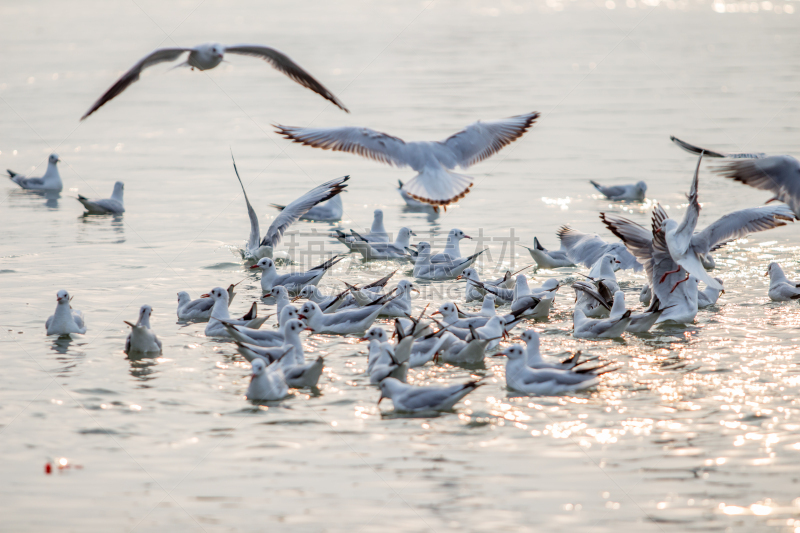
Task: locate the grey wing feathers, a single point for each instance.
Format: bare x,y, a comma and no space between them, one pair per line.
365,142
292,212
283,63
779,174
255,232
740,223
158,56
692,149
481,140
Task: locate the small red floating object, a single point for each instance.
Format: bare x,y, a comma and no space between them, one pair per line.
48,468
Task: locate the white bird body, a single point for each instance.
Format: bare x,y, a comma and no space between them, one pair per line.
210,55
294,281
587,249
548,259
533,354
474,292
640,322
425,269
106,206
65,320
199,309
709,296
435,183
259,337
414,399
215,327
142,339
633,192
452,248
599,328
371,250
542,381
51,181
343,322
267,383
328,304
781,289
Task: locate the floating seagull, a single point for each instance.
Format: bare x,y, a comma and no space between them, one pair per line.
141,339
781,289
106,206
488,308
434,184
65,320
424,269
260,337
382,250
208,56
257,247
343,322
215,327
452,250
386,365
686,247
547,259
474,292
290,337
779,174
328,304
51,181
267,383
633,192
640,322
414,399
199,309
586,249
533,355
545,381
329,211
589,301
599,328
293,281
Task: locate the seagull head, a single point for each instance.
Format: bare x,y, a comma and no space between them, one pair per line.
376,333
144,314
217,50
294,327
53,159
264,264
288,313
642,186
529,337
258,366
62,297
513,352
309,310
216,293
183,297
387,385
279,292
456,234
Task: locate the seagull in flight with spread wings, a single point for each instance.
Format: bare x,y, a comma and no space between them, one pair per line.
208,56
434,184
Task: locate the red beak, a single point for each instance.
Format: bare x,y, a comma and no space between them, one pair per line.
205,296
467,237
302,317
436,313
254,266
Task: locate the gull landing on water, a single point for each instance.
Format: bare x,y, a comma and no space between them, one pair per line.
208,56
434,184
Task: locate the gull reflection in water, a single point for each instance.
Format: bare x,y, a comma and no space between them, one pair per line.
142,365
50,197
116,224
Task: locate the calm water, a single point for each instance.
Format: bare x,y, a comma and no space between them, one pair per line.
697,432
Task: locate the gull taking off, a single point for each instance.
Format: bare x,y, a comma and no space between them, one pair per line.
208,56
258,248
547,259
106,206
141,339
434,184
65,320
51,181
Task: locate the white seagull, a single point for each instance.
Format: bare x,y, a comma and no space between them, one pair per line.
199,309
533,354
779,174
633,192
342,322
434,184
51,181
781,289
640,322
65,320
293,281
474,292
586,249
415,399
545,381
208,56
599,328
219,313
142,339
106,206
257,247
548,259
425,269
267,383
382,250
262,337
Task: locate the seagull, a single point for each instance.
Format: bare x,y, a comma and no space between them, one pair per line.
686,247
415,204
264,338
267,383
386,365
640,322
382,250
330,211
215,327
709,296
545,381
586,249
281,297
106,206
452,249
209,55
466,352
425,269
474,291
359,297
547,259
434,184
633,192
599,328
328,304
533,355
342,322
289,337
414,399
51,181
400,306
199,309
258,248
65,320
779,174
141,339
488,308
781,289
589,301
293,281
604,282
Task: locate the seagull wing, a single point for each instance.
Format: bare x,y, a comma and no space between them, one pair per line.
685,231
779,174
692,149
154,58
739,223
637,239
300,207
481,140
255,232
283,63
365,142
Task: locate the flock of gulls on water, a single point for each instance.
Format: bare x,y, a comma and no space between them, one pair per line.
675,255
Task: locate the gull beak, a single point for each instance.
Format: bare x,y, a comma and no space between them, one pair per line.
254,266
617,261
766,273
436,313
309,329
413,234
295,299
301,317
499,355
722,291
467,237
381,398
205,296
658,230
363,339
459,277
131,325
415,290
